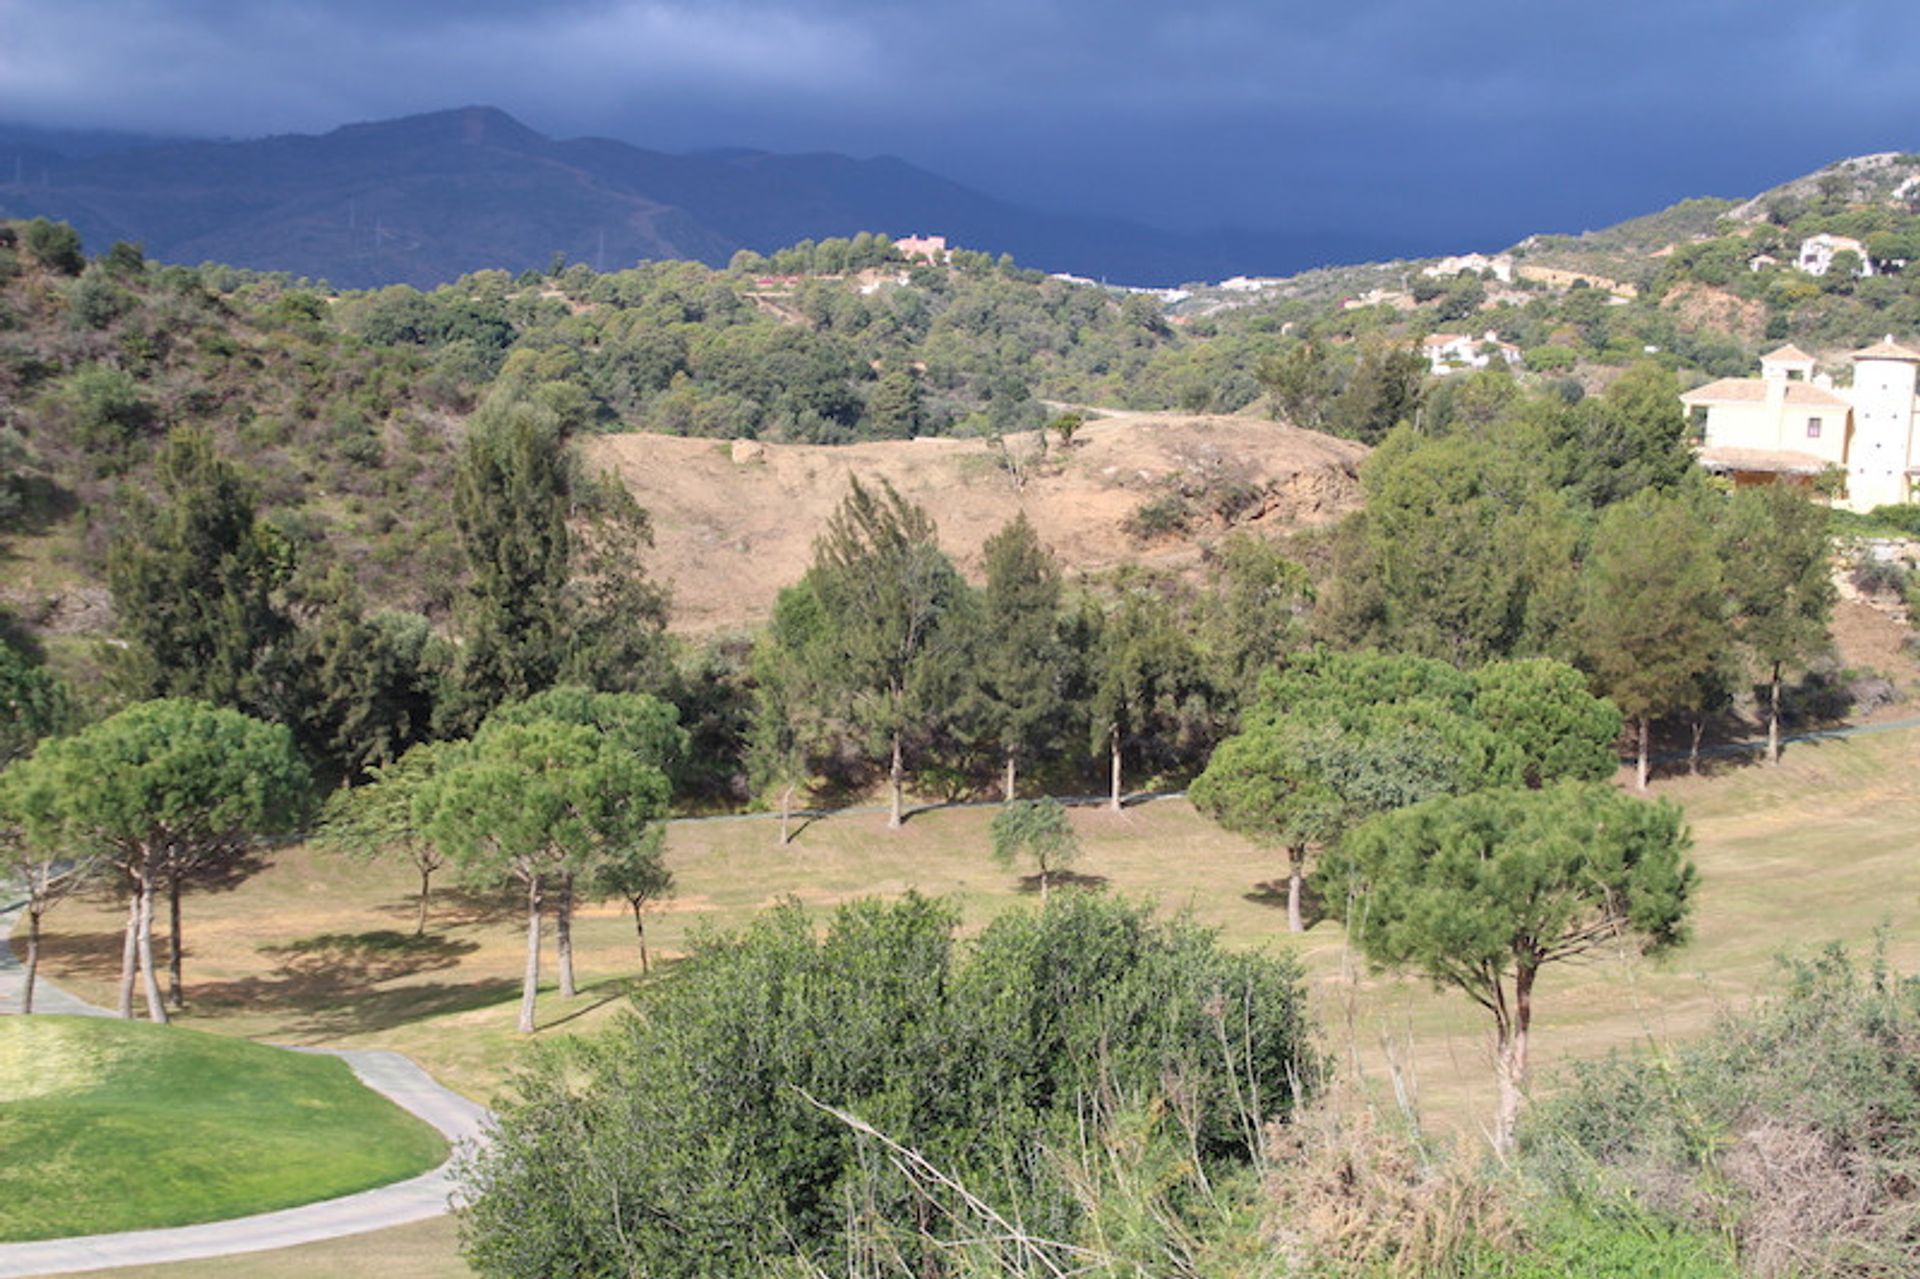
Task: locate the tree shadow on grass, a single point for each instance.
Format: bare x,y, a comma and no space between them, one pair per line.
1272,894
330,981
379,955
361,1012
798,825
456,907
1062,879
599,994
91,955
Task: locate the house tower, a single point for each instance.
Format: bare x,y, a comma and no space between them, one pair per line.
1883,412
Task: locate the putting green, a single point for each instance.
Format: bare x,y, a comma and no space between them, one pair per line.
109,1125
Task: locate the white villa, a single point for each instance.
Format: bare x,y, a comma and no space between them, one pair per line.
1793,423
1501,264
1451,352
1816,253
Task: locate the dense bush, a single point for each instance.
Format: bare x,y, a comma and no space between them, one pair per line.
695,1138
1794,1128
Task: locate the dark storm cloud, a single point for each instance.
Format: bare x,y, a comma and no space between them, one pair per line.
1479,119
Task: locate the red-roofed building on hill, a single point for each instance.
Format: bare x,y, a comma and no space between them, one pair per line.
1793,423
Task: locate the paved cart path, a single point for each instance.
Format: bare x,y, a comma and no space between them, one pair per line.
387,1073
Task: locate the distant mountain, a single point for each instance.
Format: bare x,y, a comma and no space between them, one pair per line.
424,199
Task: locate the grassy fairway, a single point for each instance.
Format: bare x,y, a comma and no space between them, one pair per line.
110,1125
318,949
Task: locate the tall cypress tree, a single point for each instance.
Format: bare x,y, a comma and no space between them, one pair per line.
194,584
510,506
1021,663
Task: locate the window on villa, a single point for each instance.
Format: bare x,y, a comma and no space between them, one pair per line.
1813,428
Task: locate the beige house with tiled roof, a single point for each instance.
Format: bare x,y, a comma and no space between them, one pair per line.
1793,423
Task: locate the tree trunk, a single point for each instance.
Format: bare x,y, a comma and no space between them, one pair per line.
426,891
530,986
1693,754
1007,785
1773,718
176,989
33,959
149,979
1511,1059
1642,766
786,816
1113,768
129,955
897,817
1043,887
1296,880
640,931
563,934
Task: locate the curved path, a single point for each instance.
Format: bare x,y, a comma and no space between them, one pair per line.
463,1123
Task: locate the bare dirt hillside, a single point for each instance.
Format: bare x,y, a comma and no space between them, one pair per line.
735,521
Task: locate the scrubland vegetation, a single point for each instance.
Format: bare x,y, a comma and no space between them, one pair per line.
354,582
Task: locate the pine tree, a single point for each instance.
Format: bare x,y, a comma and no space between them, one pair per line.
195,584
1020,664
1776,554
1653,618
510,506
887,589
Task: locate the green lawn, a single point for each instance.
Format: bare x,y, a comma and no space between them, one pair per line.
109,1125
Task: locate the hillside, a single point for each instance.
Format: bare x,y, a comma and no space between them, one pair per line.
346,408
424,199
734,524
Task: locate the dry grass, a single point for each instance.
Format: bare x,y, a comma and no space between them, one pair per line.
315,949
730,535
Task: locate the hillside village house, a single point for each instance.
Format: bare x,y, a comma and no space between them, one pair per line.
1817,253
1451,352
1795,424
1479,263
924,248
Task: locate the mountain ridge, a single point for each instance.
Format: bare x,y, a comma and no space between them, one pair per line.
426,198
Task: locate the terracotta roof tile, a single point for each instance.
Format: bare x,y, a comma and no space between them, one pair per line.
1887,349
1753,390
1778,461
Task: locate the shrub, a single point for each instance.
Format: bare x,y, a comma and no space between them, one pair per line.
696,1138
1880,577
55,246
107,411
1159,517
96,301
1794,1128
1552,358
1905,517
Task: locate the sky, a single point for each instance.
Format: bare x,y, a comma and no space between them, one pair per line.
1457,125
